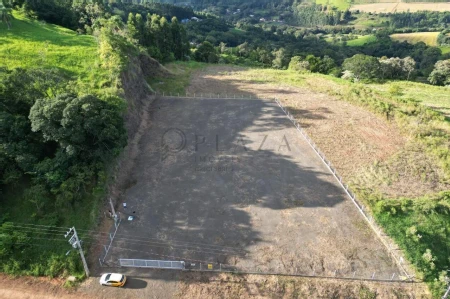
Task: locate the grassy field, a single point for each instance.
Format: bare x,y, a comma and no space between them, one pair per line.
395,6
32,43
176,84
359,41
429,38
363,39
435,97
340,4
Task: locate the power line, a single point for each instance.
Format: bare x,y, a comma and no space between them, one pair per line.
151,243
176,243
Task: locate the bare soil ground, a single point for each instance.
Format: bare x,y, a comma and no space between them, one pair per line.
196,285
350,136
364,147
280,219
401,7
245,190
36,288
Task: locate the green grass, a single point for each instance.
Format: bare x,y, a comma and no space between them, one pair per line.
435,97
364,20
179,81
364,39
340,4
32,43
445,49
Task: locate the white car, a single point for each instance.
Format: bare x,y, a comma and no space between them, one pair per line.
113,279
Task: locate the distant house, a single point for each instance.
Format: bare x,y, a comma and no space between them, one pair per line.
262,20
251,16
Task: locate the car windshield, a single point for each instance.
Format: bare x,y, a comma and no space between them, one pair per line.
123,277
107,277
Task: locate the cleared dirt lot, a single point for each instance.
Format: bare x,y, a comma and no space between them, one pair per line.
350,136
230,181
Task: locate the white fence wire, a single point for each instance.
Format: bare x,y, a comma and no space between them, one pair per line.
390,246
378,231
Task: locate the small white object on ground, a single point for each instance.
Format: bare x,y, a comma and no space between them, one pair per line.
130,218
124,204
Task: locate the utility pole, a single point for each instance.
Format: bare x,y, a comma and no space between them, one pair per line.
75,242
115,216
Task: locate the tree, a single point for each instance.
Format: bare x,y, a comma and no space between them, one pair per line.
132,29
20,148
222,47
177,39
397,68
441,73
140,26
206,53
280,60
243,49
363,66
86,126
298,64
167,44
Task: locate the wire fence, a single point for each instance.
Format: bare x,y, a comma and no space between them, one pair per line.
211,267
347,274
112,234
390,246
207,96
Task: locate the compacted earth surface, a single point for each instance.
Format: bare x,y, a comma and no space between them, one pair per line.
231,183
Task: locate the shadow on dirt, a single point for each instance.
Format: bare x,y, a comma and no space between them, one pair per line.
134,283
231,181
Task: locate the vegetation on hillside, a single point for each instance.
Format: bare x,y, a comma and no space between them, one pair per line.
61,124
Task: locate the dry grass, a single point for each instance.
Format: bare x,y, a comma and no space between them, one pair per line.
360,139
357,133
401,7
429,38
254,286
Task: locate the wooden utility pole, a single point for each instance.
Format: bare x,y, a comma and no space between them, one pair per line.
75,242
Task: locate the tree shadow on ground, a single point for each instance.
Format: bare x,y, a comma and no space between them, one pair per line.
214,179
